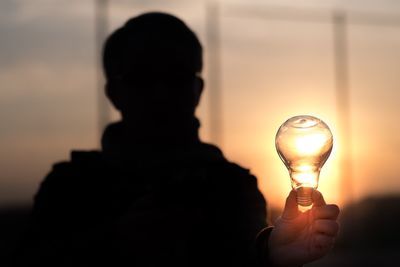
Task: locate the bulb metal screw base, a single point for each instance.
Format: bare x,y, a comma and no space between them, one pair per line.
304,196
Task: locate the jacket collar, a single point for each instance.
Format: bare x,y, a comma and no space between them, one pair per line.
123,149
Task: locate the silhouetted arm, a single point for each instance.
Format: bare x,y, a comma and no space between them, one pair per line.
241,214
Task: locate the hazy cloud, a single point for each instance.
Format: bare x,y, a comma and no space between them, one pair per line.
45,31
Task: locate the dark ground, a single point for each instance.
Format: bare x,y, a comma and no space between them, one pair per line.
369,235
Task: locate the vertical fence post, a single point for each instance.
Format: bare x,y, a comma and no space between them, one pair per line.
343,103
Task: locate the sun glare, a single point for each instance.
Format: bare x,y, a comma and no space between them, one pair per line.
309,144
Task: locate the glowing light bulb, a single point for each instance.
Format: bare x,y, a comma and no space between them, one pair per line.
304,143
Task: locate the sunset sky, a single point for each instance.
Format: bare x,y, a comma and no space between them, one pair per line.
272,69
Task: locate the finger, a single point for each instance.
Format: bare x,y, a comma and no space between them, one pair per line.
327,227
318,199
330,211
322,241
291,210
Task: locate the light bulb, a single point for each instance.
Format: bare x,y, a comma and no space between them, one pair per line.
304,143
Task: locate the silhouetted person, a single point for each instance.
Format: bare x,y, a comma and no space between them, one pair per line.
155,195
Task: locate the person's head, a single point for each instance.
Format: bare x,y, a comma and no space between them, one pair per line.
152,66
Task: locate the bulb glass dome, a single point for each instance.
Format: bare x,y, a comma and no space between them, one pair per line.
304,143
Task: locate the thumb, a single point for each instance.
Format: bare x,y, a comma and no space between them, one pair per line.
318,199
291,210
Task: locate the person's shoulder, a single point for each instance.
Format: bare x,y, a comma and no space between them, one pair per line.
78,160
67,172
226,169
67,180
235,188
236,175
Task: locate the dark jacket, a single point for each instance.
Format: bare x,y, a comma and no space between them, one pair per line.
186,206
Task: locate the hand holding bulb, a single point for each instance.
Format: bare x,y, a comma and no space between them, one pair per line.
298,237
